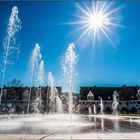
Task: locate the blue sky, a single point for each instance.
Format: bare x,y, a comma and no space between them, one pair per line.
98,64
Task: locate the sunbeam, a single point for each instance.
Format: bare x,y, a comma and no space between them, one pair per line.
96,19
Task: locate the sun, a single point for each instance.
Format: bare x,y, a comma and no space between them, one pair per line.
97,19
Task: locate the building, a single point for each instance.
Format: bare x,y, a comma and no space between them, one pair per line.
18,97
128,98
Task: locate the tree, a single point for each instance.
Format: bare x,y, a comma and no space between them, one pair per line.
14,83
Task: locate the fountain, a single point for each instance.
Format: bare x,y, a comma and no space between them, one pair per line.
52,103
55,105
59,108
89,110
40,79
36,62
36,105
102,124
115,103
45,125
69,62
116,124
101,106
9,43
94,110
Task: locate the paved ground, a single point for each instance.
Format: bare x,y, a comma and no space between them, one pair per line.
105,128
100,136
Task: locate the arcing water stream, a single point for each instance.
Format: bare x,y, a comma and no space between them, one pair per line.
14,26
69,63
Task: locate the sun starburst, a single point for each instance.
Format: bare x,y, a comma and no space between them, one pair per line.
96,19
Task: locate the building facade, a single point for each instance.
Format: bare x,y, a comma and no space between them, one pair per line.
127,98
18,98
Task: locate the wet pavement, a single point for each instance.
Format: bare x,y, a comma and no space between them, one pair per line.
63,127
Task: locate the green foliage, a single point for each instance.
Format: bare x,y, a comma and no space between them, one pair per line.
14,83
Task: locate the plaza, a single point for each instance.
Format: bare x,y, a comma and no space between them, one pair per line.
69,70
106,127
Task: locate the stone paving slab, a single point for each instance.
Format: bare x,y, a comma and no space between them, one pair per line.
133,136
112,136
93,136
86,136
19,137
59,137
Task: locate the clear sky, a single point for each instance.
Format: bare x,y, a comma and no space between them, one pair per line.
98,64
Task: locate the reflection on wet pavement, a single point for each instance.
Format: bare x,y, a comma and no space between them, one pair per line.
61,124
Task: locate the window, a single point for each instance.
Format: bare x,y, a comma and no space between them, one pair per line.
90,96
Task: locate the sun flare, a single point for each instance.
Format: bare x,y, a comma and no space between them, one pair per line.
97,19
